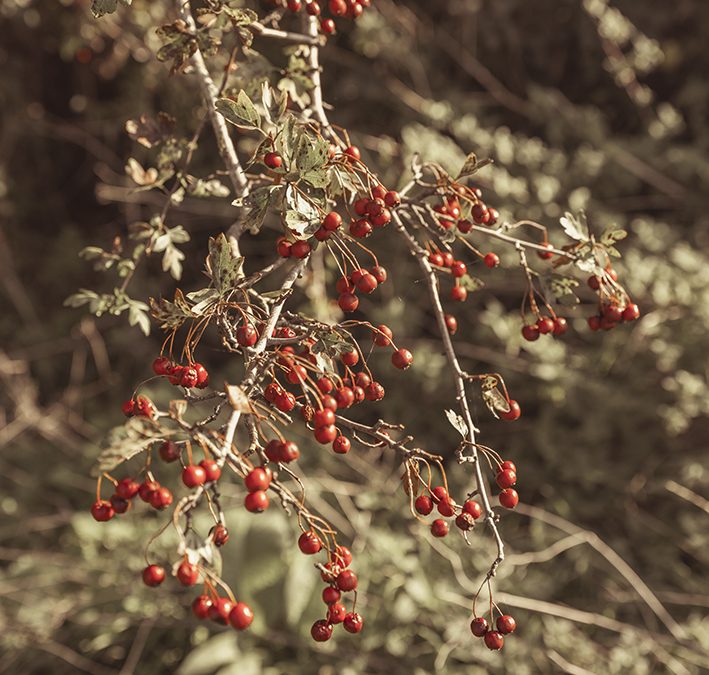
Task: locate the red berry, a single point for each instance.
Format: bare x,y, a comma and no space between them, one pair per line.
458,269
402,359
162,365
283,247
561,325
332,221
464,521
353,622
201,605
336,613
631,312
594,283
146,489
346,580
451,324
188,378
478,626
439,528
459,293
362,380
241,616
294,5
211,469
330,595
187,573
530,332
513,413
509,498
612,313
378,191
350,358
300,249
273,160
438,493
326,435
153,575
545,255
445,507
506,624
341,445
361,228
325,385
128,407
272,392
327,26
374,392
472,508
127,488
309,543
321,234
352,150
478,212
494,640
348,302
160,498
491,260
379,273
193,475
246,335
435,259
289,452
506,478
507,464
321,631
360,206
594,323
220,535
392,199
423,505
285,401
220,609
312,8
382,335
344,396
382,218
545,325
102,510
367,283
465,226
256,502
343,556
329,402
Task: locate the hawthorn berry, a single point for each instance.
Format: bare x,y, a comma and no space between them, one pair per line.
273,160
374,392
631,312
459,293
545,325
187,573
382,336
360,228
329,402
246,335
102,510
127,407
513,413
127,488
439,493
211,469
312,8
594,323
509,498
367,283
446,507
435,259
146,488
119,504
451,324
439,528
379,273
220,535
458,269
472,508
561,325
327,26
321,631
256,502
382,218
344,396
478,626
350,358
464,521
153,575
300,249
348,302
271,392
507,464
360,206
545,255
341,445
402,359
188,378
423,505
466,226
612,313
326,435
336,613
325,385
352,150
283,247
478,212
594,282
309,543
506,624
162,365
343,556
194,475
362,380
201,605
294,5
392,198
353,622
220,610
491,260
160,498
530,332
285,401
494,640
332,221
241,616
346,580
506,478
330,595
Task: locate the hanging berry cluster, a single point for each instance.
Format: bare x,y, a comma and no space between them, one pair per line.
337,9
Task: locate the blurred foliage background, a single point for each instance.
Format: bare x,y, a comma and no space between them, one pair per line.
594,104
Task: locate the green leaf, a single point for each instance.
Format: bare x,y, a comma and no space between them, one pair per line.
224,267
610,236
138,316
241,112
171,315
311,153
83,297
101,7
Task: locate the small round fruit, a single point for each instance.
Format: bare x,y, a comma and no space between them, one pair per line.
341,445
509,498
506,478
631,312
545,325
246,335
256,502
352,150
153,575
102,510
545,255
530,332
336,613
273,160
506,624
472,508
353,622
201,605
346,580
491,260
348,302
332,221
446,507
402,359
439,528
561,325
321,631
212,470
127,488
309,543
478,626
241,616
300,249
494,640
458,269
220,535
257,479
220,610
513,413
423,505
162,365
193,476
187,573
459,293
169,451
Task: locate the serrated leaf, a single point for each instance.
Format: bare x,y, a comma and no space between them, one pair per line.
224,267
241,112
611,236
318,178
171,315
137,316
457,422
125,442
574,227
311,153
492,397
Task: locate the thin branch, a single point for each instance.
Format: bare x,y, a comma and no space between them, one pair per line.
286,36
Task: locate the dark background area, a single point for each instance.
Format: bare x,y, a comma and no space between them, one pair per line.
595,105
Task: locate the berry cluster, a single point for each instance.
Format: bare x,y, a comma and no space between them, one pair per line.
614,303
545,325
465,514
494,639
189,376
336,8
